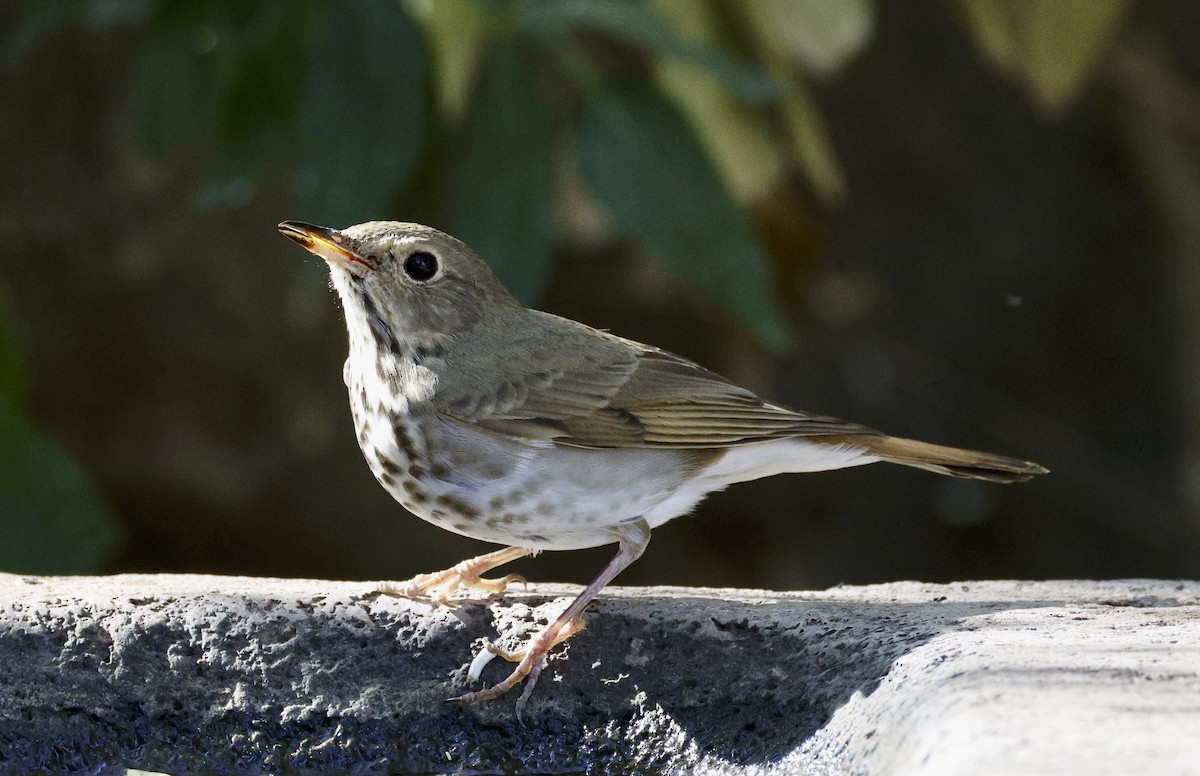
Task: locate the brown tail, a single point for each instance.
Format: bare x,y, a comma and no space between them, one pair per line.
953,461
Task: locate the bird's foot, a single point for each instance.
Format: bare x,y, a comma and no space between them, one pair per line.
441,586
530,660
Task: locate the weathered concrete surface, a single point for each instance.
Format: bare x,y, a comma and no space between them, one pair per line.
236,675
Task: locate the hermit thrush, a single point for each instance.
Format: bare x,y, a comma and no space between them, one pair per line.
536,432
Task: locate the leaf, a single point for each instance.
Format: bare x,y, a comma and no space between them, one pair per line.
738,140
812,144
267,44
997,28
1066,41
457,32
820,35
741,143
642,25
639,158
1050,47
51,519
226,67
362,130
271,45
504,186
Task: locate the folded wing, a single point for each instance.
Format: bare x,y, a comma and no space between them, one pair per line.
606,392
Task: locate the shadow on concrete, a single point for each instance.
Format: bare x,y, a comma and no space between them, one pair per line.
292,681
744,688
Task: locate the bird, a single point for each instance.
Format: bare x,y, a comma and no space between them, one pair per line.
525,429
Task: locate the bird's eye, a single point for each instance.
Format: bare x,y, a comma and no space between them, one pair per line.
421,265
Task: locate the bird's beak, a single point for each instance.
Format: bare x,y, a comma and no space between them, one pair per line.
327,243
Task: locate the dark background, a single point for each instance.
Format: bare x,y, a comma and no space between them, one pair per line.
981,227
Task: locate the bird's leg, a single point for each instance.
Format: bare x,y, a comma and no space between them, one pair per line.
633,538
441,585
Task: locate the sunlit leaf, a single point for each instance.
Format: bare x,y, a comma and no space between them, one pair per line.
644,26
738,139
998,30
1066,40
820,35
1050,47
457,32
812,145
640,159
504,199
364,112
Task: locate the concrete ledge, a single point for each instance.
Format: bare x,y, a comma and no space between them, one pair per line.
185,674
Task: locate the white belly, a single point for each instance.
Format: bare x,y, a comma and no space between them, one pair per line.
546,496
752,462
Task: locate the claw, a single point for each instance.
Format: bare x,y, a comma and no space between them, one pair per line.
535,656
530,660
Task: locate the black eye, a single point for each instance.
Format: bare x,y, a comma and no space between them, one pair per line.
421,265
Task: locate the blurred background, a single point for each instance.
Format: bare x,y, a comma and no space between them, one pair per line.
975,222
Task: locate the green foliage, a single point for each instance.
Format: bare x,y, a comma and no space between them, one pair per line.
343,96
677,116
643,26
639,156
820,35
362,127
504,201
51,519
226,69
1049,47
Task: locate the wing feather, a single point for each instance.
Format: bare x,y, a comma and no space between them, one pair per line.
607,392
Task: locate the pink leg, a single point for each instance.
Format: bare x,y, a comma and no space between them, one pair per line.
440,586
633,538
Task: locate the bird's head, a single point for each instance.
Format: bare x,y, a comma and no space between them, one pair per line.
405,281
